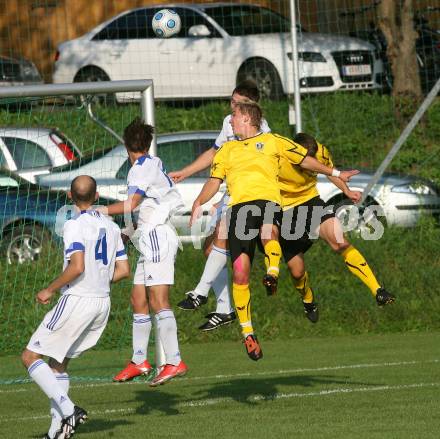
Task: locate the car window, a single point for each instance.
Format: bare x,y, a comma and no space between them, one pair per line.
26,154
239,20
137,25
176,155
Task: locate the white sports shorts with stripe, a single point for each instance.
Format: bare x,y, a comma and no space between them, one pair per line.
158,247
74,325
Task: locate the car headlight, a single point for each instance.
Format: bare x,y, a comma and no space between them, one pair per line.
414,188
308,56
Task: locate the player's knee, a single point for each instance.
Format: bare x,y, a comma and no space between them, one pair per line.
340,247
297,273
241,278
28,357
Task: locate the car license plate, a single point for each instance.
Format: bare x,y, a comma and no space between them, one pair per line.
357,70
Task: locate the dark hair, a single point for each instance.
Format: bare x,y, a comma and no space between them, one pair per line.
83,189
138,136
308,141
251,109
249,89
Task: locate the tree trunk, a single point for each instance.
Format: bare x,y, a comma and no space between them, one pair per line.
397,24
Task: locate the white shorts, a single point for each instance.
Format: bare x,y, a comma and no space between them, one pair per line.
156,265
220,212
74,325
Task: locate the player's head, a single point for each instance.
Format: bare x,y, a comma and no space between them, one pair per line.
138,136
246,90
83,191
308,141
245,115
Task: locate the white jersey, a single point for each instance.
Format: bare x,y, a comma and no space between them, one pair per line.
226,134
148,178
100,240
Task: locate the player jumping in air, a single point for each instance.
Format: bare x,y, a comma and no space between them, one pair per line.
215,273
250,166
304,212
154,196
94,256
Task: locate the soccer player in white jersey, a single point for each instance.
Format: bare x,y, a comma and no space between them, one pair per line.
215,274
154,195
94,256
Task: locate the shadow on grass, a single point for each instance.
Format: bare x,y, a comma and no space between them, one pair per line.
249,391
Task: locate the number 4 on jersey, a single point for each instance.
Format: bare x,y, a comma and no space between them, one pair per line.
101,247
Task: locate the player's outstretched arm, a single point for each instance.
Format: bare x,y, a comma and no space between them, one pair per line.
122,207
122,270
202,162
354,196
311,164
210,188
73,270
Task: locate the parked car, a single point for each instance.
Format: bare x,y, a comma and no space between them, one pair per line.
403,199
34,151
28,217
219,45
18,71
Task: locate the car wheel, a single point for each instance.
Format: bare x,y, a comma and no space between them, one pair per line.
24,244
360,219
94,74
264,74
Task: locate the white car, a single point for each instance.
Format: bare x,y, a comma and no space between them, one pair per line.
402,199
218,46
34,151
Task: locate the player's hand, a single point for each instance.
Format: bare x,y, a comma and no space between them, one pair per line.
354,196
44,296
196,212
177,176
346,175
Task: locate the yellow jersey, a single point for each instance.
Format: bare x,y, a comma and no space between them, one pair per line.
298,185
251,166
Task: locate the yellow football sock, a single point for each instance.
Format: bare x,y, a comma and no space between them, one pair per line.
272,256
303,287
242,299
357,264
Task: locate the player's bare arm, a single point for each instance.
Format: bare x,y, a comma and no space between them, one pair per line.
73,270
199,164
122,270
311,164
210,188
354,196
122,207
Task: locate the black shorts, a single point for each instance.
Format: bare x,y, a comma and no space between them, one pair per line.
298,223
244,223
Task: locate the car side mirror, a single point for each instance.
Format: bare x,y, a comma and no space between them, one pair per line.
199,30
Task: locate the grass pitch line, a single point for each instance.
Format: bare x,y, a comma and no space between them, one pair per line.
109,381
253,398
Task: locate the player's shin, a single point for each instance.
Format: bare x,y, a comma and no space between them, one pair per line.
357,265
302,285
272,256
242,299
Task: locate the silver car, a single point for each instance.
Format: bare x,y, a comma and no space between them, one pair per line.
34,151
402,199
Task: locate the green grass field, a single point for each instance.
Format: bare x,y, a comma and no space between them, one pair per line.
364,386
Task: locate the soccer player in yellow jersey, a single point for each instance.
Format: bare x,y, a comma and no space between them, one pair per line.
250,166
303,213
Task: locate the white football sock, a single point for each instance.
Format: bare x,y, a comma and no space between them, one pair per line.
221,290
167,330
55,413
215,263
42,374
141,336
